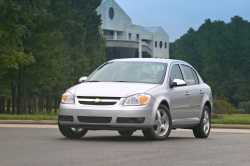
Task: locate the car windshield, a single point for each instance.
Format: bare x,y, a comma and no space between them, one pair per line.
134,72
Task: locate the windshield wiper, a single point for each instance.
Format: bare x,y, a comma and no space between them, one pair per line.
93,81
120,81
105,81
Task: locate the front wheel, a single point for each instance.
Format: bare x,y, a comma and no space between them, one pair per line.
162,127
203,129
72,132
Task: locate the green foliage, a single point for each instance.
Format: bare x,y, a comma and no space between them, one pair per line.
36,117
223,107
16,59
241,119
45,46
221,53
245,106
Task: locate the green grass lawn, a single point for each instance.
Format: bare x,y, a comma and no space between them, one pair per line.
217,119
28,117
232,119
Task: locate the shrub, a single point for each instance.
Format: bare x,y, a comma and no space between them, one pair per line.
222,106
245,107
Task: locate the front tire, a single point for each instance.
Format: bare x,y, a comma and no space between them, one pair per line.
162,127
204,128
72,132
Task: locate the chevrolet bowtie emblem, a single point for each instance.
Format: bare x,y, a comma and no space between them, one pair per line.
97,100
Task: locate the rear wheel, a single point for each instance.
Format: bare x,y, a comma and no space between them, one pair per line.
203,130
126,133
162,127
72,132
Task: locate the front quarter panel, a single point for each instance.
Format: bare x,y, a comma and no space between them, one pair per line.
160,95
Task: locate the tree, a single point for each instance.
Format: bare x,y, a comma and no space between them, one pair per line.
221,53
45,46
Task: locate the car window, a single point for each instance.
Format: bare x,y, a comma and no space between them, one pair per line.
176,73
195,77
190,75
137,72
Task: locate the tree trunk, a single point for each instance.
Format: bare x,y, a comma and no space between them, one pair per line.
49,104
13,96
29,107
19,92
8,105
2,104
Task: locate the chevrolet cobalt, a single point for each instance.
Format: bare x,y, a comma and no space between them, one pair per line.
152,95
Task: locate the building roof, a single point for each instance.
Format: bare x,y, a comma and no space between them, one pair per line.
156,29
153,29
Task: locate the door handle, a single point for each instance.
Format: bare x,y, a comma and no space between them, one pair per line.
201,92
187,93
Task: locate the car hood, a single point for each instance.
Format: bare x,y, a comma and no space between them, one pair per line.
110,89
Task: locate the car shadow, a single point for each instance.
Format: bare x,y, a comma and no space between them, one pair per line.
125,139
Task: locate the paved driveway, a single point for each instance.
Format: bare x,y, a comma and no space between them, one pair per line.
36,146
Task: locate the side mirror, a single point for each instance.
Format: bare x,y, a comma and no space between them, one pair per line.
177,83
82,79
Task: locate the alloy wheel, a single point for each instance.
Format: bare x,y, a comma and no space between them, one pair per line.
161,123
206,122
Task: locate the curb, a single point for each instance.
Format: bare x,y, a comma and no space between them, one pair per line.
54,122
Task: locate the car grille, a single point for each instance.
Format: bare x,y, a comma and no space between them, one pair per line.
93,119
130,120
105,101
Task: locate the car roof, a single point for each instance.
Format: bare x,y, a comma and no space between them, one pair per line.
159,60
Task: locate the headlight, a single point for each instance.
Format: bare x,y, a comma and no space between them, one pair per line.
137,100
68,98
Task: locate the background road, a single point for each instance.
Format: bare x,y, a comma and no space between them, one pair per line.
46,147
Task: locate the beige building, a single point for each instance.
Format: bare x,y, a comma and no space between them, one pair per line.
125,39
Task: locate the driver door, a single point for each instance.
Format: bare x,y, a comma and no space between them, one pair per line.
179,102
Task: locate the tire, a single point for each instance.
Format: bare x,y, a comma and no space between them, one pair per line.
126,133
163,126
72,132
204,128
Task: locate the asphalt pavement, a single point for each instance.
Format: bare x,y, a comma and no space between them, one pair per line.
44,146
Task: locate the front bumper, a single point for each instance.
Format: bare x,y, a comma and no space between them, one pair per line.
106,117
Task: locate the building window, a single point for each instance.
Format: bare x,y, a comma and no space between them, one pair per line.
156,44
137,36
111,13
108,34
166,45
129,36
160,44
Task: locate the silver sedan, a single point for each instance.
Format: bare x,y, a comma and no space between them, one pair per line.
152,95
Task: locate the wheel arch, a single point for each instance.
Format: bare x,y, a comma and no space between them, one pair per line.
164,102
206,101
208,104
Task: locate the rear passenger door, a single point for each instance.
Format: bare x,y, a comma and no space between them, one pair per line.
193,91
